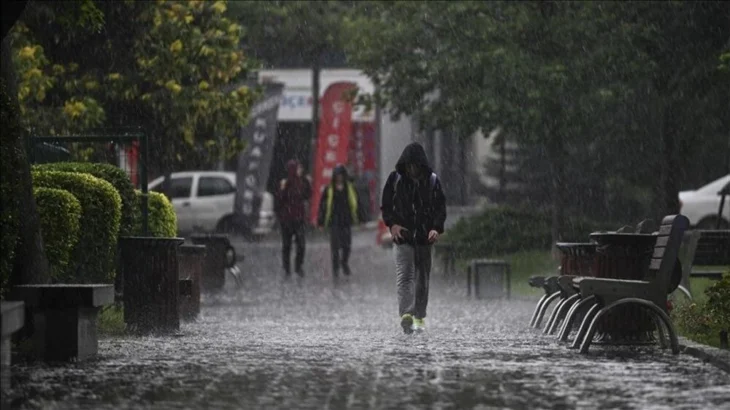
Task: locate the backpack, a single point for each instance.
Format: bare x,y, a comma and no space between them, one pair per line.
431,179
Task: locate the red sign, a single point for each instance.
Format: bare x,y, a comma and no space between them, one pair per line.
332,139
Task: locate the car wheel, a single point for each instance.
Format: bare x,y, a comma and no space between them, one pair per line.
710,223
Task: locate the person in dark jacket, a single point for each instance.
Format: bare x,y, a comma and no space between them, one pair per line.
294,192
414,208
338,211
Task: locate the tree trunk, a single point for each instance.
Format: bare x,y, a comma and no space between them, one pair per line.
30,265
555,155
669,196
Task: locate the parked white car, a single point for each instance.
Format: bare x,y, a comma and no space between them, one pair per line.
701,205
203,201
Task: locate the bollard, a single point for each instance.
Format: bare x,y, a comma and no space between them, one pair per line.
218,248
496,275
151,284
191,260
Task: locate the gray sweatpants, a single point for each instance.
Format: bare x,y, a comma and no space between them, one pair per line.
413,269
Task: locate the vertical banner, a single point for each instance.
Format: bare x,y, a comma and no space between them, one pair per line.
332,139
254,162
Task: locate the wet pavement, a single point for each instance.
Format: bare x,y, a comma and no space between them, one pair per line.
313,345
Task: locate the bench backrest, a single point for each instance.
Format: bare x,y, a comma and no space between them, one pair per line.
666,250
711,248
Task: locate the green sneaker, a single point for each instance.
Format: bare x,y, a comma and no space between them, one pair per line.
419,325
406,322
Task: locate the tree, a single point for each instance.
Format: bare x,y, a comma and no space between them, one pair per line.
294,33
24,259
177,71
568,79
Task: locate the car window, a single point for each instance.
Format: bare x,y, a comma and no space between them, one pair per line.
212,186
179,187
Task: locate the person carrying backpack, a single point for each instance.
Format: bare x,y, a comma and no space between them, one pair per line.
294,192
338,212
414,209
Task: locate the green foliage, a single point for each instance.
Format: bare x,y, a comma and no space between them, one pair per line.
93,256
703,319
60,218
506,230
111,174
9,207
111,320
162,219
179,64
306,31
618,87
718,302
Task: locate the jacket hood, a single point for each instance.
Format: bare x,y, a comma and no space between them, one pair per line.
413,153
291,168
340,170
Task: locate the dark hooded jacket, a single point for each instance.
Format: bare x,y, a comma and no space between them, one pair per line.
342,208
416,205
292,196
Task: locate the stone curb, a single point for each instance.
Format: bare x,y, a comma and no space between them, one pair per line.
708,354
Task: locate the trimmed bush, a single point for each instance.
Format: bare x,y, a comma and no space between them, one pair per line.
704,318
92,259
111,174
162,219
9,207
500,231
60,217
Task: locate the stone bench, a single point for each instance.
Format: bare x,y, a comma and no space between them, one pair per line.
12,317
64,318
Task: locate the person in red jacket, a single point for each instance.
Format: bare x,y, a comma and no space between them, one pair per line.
291,199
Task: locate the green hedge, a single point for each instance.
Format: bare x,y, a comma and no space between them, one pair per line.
9,207
500,231
93,256
60,218
111,174
162,219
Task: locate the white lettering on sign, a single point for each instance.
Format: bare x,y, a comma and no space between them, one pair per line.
247,209
338,107
252,166
256,152
327,173
261,122
330,156
336,123
259,136
333,140
248,194
251,181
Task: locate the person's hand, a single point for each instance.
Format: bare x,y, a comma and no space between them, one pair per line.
397,232
433,236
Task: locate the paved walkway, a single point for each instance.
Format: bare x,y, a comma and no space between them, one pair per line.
315,346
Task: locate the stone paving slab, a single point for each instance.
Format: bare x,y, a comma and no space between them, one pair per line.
311,345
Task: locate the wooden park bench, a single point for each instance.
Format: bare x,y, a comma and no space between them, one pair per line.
603,295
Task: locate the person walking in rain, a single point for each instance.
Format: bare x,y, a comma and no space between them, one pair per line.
294,192
414,208
338,212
